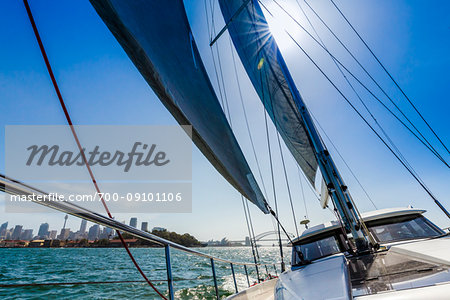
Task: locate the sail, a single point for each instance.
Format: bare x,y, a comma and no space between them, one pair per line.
269,75
157,37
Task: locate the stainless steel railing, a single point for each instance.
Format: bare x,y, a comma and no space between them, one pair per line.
14,187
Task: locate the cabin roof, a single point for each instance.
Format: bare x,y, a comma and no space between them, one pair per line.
367,216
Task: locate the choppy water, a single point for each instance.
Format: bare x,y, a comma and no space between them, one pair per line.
192,274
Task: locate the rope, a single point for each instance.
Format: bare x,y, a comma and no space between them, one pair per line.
287,184
425,142
249,220
360,99
391,142
390,76
345,162
415,176
371,77
254,235
251,237
212,53
69,121
282,227
246,119
397,156
303,191
274,190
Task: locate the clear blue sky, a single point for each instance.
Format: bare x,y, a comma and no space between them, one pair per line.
102,86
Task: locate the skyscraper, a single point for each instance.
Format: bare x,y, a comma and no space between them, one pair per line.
144,226
43,230
17,232
27,235
133,222
3,229
108,231
83,226
64,235
52,235
4,226
94,232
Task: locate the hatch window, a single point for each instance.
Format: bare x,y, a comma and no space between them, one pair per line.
317,249
399,230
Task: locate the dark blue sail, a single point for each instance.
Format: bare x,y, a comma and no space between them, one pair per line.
269,75
157,37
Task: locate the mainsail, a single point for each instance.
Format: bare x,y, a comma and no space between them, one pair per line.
267,70
157,37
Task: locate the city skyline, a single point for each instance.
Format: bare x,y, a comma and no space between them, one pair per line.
95,231
93,70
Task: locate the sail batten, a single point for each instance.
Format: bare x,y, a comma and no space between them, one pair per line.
157,37
271,79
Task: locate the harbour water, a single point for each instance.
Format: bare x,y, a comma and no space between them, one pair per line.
192,275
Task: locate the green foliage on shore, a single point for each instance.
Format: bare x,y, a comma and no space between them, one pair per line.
185,239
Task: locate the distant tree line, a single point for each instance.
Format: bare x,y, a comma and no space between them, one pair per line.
185,239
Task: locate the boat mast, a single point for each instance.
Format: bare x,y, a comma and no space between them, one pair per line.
335,184
267,49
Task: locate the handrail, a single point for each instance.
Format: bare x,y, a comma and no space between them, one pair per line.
12,186
15,187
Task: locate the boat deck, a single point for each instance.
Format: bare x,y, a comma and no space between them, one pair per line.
262,291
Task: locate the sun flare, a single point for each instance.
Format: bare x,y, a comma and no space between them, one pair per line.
280,23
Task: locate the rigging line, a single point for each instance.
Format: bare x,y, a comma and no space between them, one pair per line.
220,68
250,237
273,188
345,77
272,174
303,192
223,83
287,183
212,55
425,142
360,99
229,117
391,142
231,125
281,225
246,118
252,143
253,22
416,177
252,229
358,96
270,159
401,156
352,55
371,77
316,195
254,236
345,162
390,76
69,121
